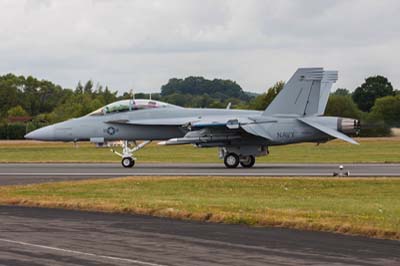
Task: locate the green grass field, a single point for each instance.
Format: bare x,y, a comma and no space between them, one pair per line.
366,206
382,150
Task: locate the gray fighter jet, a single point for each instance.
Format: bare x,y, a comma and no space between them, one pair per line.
295,115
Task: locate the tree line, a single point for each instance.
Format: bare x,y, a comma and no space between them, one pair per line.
375,101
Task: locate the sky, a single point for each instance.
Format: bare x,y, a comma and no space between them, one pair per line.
139,44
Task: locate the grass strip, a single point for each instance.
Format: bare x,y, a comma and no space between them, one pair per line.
359,206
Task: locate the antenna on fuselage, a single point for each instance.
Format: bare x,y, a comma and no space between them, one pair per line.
131,102
133,94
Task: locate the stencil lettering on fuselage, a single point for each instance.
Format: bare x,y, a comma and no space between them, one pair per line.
285,135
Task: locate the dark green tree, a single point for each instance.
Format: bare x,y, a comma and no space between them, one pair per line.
387,109
262,101
179,99
79,88
374,87
217,88
16,111
88,87
9,93
342,106
341,92
31,94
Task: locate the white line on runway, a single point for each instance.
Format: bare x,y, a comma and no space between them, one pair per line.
195,174
81,253
152,173
167,174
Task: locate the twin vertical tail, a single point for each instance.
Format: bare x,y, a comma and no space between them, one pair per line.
305,94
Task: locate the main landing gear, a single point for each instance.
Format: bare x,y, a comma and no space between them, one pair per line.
232,160
248,161
243,155
128,161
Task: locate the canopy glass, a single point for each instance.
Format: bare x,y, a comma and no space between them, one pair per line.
130,105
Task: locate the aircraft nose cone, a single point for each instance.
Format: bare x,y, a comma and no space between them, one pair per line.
44,133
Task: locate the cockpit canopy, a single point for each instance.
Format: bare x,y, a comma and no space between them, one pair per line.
130,105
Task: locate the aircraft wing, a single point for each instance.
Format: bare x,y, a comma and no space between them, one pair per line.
214,132
328,131
156,122
192,122
210,130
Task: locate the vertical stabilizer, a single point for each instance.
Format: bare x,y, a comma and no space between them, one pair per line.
305,94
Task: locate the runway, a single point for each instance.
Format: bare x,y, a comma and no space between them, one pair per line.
24,173
39,236
35,236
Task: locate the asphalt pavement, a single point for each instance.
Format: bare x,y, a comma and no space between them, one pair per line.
36,236
24,173
39,236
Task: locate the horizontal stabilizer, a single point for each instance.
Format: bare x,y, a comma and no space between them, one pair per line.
329,131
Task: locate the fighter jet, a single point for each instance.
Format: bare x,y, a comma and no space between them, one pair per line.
294,116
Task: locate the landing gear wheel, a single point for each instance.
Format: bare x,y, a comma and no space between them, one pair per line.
128,162
231,160
248,161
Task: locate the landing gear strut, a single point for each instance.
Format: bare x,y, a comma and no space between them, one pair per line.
128,161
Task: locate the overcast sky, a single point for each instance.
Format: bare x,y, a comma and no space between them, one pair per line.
141,44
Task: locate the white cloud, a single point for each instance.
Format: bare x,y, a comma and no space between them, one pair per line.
143,43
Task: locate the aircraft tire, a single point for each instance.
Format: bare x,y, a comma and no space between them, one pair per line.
127,162
248,161
231,160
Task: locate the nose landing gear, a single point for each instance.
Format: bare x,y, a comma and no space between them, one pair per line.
128,161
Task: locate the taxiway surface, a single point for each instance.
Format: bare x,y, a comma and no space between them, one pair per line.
35,236
24,173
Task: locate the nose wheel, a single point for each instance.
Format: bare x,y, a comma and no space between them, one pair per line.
128,162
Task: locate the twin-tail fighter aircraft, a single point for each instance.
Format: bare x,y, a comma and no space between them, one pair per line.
294,116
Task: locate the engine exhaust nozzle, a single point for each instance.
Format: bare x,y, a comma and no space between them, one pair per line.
349,126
